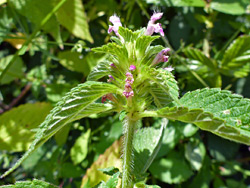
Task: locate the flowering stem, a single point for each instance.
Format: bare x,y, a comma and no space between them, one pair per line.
129,127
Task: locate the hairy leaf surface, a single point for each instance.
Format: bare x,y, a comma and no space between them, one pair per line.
66,111
214,110
33,183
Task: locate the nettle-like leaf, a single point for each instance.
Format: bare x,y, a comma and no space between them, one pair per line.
142,43
236,60
73,105
165,80
33,183
99,71
147,143
214,110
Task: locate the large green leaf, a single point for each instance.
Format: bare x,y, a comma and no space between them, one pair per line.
36,11
34,183
71,15
165,80
99,71
16,125
214,110
147,143
237,57
195,54
180,3
66,111
15,70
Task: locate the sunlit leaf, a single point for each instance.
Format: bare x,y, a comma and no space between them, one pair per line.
33,183
16,125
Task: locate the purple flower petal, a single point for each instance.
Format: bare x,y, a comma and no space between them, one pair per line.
161,56
152,27
132,67
115,20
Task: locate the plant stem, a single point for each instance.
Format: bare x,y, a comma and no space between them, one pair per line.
129,127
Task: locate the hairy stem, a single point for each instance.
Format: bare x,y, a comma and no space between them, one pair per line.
129,126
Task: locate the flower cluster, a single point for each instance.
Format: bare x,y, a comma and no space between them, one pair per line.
154,27
128,91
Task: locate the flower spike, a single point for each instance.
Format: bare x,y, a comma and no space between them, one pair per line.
152,27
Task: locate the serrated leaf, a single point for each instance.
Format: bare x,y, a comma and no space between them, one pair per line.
109,171
99,71
15,70
237,57
34,183
214,110
147,143
16,125
66,111
195,54
72,16
79,150
111,157
165,80
128,35
36,11
111,183
73,61
142,43
172,169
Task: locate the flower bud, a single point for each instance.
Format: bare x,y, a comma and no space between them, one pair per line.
132,67
161,56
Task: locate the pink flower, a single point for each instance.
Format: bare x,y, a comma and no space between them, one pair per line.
152,27
161,56
112,65
132,67
170,68
130,78
128,94
110,78
115,20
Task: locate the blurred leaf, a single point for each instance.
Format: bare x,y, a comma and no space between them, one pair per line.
29,184
73,61
173,169
62,135
68,170
221,149
180,3
195,54
111,157
56,91
15,70
189,130
230,6
204,176
147,143
3,1
72,16
236,61
80,149
235,184
16,42
36,11
143,185
16,125
195,152
109,171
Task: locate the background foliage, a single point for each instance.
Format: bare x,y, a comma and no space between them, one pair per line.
45,52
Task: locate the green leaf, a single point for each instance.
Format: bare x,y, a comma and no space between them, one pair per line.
147,143
72,16
16,125
195,54
142,43
143,185
36,11
165,80
195,152
111,183
15,70
34,183
173,169
111,157
73,61
214,110
230,6
99,71
66,111
80,149
181,3
128,35
109,171
236,60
